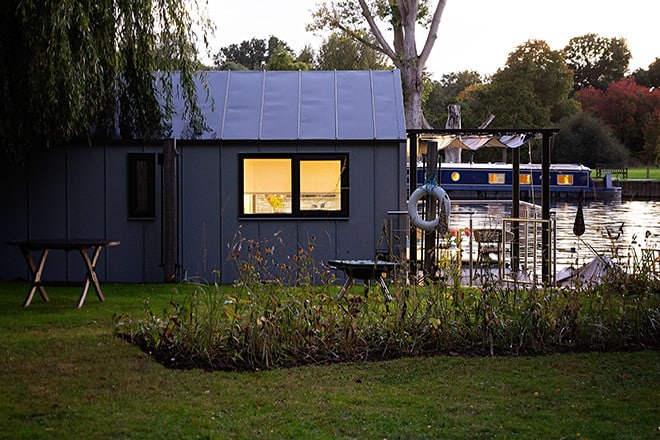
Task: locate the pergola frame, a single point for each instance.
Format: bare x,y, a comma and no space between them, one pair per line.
546,136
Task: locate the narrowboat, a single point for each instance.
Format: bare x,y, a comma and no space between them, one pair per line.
468,181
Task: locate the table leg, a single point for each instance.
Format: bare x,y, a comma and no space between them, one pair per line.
35,272
347,285
91,277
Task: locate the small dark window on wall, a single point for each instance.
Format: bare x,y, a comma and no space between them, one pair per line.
293,185
141,186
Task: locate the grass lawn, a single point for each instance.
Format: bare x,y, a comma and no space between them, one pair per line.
64,376
638,173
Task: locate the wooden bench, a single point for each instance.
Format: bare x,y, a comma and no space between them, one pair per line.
619,171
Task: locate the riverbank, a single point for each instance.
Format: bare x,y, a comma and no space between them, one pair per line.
640,189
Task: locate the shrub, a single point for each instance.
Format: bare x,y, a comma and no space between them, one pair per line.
260,325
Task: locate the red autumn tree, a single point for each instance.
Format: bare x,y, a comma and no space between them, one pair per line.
630,110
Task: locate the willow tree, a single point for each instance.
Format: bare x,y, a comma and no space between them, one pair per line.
71,68
363,19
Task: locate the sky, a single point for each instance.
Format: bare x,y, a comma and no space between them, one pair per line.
473,35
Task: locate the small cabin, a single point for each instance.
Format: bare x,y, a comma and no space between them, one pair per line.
286,158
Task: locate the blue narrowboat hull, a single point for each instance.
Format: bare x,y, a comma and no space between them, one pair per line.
494,181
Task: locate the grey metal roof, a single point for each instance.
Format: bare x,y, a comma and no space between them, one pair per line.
298,105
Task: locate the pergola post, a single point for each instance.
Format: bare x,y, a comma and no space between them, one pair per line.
430,251
412,186
545,210
515,210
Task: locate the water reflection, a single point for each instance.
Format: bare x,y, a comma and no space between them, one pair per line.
612,227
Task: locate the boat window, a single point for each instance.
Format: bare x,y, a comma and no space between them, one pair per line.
496,178
294,185
564,179
525,179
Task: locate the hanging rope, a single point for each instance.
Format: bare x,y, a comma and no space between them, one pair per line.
430,182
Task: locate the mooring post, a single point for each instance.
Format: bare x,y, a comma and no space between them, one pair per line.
430,259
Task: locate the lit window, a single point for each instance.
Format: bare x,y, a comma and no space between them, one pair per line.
294,185
496,178
320,185
455,176
267,186
525,179
564,179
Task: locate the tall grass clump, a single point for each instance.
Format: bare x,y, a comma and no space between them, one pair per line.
287,313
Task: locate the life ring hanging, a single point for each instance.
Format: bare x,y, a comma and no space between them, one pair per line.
440,195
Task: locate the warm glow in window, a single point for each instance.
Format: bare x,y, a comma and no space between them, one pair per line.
294,185
320,185
564,179
525,179
266,186
496,178
455,176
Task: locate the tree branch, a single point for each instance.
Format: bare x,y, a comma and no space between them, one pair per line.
385,47
433,33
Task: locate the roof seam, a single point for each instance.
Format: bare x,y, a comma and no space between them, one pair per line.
224,110
336,106
299,127
261,107
373,103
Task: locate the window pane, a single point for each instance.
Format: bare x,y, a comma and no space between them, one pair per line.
266,186
496,178
141,186
564,179
320,185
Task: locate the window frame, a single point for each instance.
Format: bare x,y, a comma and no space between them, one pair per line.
296,211
141,186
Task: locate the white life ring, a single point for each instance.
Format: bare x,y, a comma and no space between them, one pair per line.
438,193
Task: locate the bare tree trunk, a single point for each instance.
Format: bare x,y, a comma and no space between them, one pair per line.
412,97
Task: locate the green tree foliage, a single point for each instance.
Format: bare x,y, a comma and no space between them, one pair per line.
596,61
253,54
250,54
340,52
259,54
630,110
440,94
587,140
650,77
307,55
530,91
281,59
66,64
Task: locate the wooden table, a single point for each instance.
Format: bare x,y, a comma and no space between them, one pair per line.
45,246
366,270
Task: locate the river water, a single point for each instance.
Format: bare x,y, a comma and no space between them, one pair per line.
613,229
